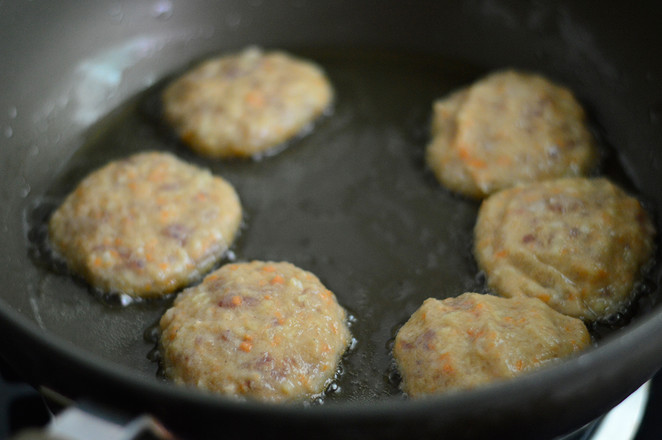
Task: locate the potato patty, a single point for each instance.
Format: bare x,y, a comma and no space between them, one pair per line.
577,244
473,339
262,330
246,103
508,128
146,225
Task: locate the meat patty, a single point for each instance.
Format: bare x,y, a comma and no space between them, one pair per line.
509,127
261,330
244,104
146,225
577,244
473,339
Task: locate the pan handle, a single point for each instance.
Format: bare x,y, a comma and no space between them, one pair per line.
84,421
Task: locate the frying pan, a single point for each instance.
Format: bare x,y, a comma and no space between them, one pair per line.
350,201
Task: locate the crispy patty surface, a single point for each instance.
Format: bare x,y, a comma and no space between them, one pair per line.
244,104
146,225
473,339
578,244
261,330
507,128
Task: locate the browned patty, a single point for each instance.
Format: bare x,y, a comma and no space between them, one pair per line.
247,103
146,225
473,339
577,244
261,330
508,128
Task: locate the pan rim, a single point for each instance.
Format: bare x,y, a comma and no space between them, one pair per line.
575,370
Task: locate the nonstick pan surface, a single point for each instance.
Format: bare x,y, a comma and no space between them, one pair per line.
351,200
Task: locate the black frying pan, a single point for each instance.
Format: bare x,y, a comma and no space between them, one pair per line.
351,201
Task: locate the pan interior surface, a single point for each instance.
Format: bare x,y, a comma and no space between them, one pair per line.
351,200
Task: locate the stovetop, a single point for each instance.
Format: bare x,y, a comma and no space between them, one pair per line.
22,407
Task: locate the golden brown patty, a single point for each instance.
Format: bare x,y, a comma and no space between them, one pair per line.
246,103
577,244
508,128
146,225
474,339
263,330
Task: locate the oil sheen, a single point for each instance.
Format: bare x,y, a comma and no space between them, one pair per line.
350,200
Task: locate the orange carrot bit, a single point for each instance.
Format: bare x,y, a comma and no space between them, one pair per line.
268,297
276,340
445,359
248,338
164,266
201,197
236,300
97,262
475,333
279,317
545,297
246,346
501,253
255,99
326,295
156,175
277,280
269,268
470,159
173,333
519,364
326,348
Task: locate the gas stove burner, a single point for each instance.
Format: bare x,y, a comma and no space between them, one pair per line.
621,423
